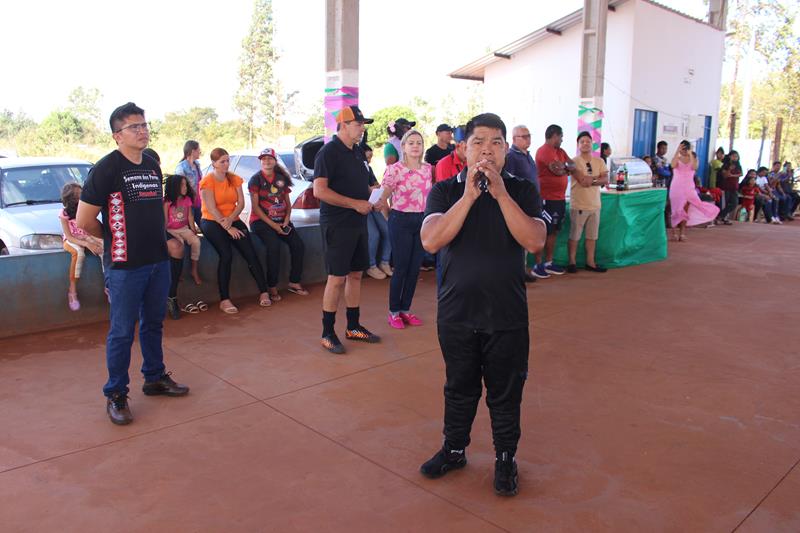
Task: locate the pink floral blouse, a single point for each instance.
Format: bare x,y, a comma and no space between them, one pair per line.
410,188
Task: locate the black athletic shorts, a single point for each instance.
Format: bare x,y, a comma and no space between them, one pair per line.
346,249
553,212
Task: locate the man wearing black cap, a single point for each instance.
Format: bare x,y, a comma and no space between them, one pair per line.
481,222
392,150
443,146
341,183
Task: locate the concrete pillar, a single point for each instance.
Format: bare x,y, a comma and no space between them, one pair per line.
593,64
341,59
717,13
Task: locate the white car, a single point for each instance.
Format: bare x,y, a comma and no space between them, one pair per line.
30,201
305,206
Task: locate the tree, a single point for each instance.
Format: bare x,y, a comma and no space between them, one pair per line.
188,124
376,132
253,98
84,104
11,124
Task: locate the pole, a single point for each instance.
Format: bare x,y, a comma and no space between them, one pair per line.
733,130
763,137
593,63
341,59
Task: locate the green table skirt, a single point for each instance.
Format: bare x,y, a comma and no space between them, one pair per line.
632,231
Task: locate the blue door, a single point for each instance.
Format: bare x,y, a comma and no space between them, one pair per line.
644,132
701,148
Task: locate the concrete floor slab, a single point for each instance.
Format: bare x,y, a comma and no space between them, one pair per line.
661,397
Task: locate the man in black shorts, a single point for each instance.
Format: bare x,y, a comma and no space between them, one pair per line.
554,167
341,183
125,186
481,222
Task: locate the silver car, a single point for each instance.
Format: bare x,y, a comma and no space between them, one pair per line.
305,206
30,201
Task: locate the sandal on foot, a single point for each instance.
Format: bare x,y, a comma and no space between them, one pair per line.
275,297
191,309
201,305
264,300
228,308
297,290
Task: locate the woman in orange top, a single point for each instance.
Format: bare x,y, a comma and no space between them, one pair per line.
223,201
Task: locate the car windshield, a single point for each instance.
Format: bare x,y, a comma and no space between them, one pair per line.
38,185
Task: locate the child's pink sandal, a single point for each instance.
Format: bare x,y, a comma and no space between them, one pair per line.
74,303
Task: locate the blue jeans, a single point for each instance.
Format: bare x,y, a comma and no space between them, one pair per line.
136,294
378,230
407,253
784,202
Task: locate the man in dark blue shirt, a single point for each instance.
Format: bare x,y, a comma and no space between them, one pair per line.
520,163
518,160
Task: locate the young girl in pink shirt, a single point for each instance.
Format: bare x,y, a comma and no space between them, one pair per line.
179,216
76,241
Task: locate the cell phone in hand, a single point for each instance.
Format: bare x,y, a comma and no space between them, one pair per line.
286,229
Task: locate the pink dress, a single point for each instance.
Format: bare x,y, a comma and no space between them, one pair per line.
681,192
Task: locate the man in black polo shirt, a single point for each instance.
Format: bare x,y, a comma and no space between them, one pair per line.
444,145
481,222
125,186
341,183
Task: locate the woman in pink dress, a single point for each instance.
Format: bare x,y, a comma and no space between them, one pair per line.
687,207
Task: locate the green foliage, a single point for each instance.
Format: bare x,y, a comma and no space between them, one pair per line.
187,124
11,124
777,94
253,99
377,134
84,104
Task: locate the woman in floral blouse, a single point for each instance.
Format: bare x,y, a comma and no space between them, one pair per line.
408,182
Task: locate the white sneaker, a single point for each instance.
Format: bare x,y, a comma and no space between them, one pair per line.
386,269
376,273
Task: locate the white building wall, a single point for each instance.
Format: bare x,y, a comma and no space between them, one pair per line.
537,86
649,51
677,72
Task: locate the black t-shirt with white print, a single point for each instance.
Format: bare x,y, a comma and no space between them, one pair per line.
131,199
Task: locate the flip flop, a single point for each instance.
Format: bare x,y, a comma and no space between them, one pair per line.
229,309
300,292
191,309
264,301
275,297
201,305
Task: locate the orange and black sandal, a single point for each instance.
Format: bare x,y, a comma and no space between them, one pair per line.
361,334
332,344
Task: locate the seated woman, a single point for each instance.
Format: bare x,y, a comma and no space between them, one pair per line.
223,200
269,190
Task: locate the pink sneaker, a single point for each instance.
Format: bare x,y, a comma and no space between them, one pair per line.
411,319
396,322
74,304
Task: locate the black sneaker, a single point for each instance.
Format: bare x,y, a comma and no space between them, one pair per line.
332,344
361,334
165,386
118,410
572,269
596,268
506,480
173,309
443,462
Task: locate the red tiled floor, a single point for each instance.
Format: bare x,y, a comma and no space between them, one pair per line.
661,397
